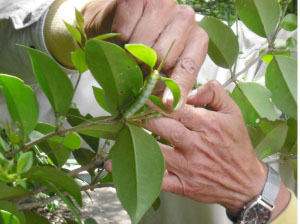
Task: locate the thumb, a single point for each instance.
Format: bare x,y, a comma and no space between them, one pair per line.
214,95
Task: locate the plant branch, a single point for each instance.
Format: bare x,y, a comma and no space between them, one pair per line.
246,68
60,132
280,22
32,205
95,164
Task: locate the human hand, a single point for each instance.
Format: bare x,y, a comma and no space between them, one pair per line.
212,159
155,23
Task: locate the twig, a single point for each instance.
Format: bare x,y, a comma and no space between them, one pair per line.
246,68
280,23
72,173
59,132
32,205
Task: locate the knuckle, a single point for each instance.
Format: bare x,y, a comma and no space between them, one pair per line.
177,133
186,115
186,12
189,66
214,85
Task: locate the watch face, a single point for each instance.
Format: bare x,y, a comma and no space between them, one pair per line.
257,214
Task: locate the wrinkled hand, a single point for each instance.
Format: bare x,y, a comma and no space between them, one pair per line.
212,160
155,23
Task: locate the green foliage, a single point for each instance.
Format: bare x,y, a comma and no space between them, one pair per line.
120,82
143,53
259,16
269,137
24,162
132,175
53,80
52,175
35,155
289,22
78,60
9,192
8,218
11,208
254,108
281,80
34,218
21,103
223,45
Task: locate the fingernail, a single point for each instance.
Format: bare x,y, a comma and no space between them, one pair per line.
169,101
108,166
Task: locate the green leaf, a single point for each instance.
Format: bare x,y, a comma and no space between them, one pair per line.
75,118
121,80
79,20
74,32
8,192
34,218
107,179
158,102
70,141
255,102
133,164
25,162
4,145
269,136
223,46
259,16
106,36
90,221
21,102
8,218
144,53
107,131
78,60
52,79
50,174
291,43
156,204
53,188
281,80
175,90
85,156
291,138
269,57
3,160
289,22
12,208
99,96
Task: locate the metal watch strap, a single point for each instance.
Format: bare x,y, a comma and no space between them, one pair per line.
271,187
268,195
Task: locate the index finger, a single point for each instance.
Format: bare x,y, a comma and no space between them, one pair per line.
186,69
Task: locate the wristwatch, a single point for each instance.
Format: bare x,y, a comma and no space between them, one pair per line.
259,210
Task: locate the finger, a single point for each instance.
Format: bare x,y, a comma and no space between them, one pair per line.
171,183
108,166
171,130
178,30
128,13
98,16
186,69
213,94
173,158
156,16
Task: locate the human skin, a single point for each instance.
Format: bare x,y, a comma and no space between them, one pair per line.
212,159
155,23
